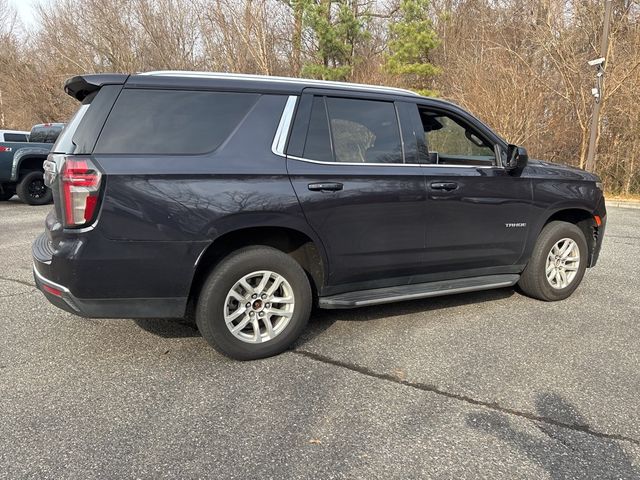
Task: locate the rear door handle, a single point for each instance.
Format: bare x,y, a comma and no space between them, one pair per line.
325,187
448,186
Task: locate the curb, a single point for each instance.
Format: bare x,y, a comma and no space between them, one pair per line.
622,204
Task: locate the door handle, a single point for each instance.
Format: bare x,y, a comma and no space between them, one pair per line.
325,187
448,186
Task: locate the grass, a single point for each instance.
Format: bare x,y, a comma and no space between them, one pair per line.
623,197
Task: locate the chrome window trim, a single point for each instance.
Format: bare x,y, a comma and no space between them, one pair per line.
282,132
366,164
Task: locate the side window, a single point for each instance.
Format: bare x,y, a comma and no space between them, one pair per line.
15,137
172,121
364,131
451,142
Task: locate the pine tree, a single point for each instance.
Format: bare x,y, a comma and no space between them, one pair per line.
412,37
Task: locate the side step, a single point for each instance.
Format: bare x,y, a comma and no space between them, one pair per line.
419,290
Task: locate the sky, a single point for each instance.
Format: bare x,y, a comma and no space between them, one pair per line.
25,10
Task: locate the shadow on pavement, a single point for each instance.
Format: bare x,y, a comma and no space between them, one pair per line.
169,327
321,320
559,451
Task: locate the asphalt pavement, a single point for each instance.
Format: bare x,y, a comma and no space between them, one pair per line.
481,385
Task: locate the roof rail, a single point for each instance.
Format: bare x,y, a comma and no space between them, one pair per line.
267,78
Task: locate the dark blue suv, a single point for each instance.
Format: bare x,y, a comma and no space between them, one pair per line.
246,200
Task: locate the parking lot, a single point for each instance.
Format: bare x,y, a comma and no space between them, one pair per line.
482,385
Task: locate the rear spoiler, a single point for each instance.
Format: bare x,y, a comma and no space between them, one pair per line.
82,85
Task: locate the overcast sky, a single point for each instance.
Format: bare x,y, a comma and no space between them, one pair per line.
25,10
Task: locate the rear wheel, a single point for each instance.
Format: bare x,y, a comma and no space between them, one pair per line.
254,304
32,189
6,192
558,263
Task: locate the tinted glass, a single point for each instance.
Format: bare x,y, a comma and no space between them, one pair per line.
45,134
318,143
15,137
172,122
364,131
449,141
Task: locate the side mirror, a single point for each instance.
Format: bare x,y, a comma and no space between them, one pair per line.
515,158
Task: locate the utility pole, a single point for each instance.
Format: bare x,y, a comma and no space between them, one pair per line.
598,90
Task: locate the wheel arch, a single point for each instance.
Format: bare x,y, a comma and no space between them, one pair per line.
307,251
27,159
577,215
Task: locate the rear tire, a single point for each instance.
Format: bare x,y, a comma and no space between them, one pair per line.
557,264
32,190
264,318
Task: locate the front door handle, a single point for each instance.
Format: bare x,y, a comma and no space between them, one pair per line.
448,186
325,187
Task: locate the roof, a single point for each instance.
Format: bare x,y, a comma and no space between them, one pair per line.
294,84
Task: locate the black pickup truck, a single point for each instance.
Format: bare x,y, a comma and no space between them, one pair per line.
21,165
248,200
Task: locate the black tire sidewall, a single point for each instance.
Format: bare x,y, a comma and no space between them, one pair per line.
23,190
209,311
550,235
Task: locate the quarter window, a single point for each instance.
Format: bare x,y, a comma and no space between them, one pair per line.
172,121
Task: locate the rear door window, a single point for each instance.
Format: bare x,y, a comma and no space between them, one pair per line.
172,121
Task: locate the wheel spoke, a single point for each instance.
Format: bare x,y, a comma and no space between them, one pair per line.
269,327
563,279
280,313
571,268
256,331
236,295
231,317
241,325
249,289
275,285
286,300
263,282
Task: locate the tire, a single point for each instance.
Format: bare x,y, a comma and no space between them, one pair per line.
6,192
534,281
32,190
253,264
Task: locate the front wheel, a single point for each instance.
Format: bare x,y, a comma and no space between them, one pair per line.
557,264
32,189
255,303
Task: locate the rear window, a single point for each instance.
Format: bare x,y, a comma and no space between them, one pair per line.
45,134
172,121
15,137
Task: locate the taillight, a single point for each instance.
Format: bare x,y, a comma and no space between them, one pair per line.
80,187
5,149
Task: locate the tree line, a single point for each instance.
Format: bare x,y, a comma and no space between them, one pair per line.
519,65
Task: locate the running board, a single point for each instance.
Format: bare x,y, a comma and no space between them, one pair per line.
419,290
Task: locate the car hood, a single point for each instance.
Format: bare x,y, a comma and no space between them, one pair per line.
544,168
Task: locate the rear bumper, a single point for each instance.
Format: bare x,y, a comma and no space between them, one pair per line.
50,269
61,297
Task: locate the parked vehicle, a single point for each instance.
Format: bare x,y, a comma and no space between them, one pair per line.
248,199
14,136
21,158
